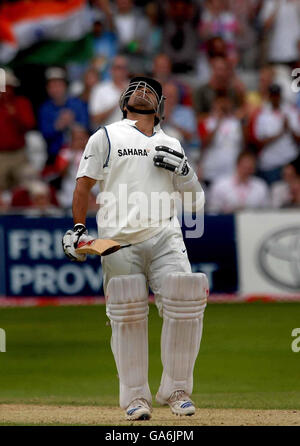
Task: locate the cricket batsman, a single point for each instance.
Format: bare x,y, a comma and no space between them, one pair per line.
134,162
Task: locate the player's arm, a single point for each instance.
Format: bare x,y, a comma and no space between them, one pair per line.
185,180
79,233
81,198
191,191
90,170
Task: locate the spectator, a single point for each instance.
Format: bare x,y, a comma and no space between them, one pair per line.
277,131
59,112
242,190
246,12
21,195
217,20
133,31
284,193
83,89
222,140
179,35
254,100
130,25
67,163
220,81
235,81
105,39
214,47
281,24
162,71
154,39
90,80
40,200
162,68
5,198
16,118
257,98
180,120
104,102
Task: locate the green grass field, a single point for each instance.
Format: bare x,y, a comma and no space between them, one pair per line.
61,355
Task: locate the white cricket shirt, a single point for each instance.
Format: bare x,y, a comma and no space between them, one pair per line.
120,157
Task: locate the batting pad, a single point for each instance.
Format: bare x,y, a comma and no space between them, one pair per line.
184,297
127,309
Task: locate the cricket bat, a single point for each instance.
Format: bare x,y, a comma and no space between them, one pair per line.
98,247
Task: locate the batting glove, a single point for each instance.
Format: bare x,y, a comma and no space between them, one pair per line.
172,160
72,238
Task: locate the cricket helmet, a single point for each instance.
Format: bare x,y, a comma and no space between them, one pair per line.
144,83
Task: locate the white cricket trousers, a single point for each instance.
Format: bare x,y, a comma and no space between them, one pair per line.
154,258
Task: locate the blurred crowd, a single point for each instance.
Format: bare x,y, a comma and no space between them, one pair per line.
229,72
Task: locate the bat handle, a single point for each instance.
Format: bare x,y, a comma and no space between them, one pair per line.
80,244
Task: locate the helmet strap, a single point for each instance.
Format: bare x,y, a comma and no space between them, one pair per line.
141,112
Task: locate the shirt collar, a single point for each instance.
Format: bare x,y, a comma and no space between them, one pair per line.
132,123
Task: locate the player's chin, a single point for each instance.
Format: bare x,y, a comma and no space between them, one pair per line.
141,102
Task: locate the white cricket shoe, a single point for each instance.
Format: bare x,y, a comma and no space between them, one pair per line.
138,409
181,404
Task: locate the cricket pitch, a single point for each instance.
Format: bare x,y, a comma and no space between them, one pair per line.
30,414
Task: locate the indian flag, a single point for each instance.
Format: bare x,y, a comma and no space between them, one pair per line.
44,31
